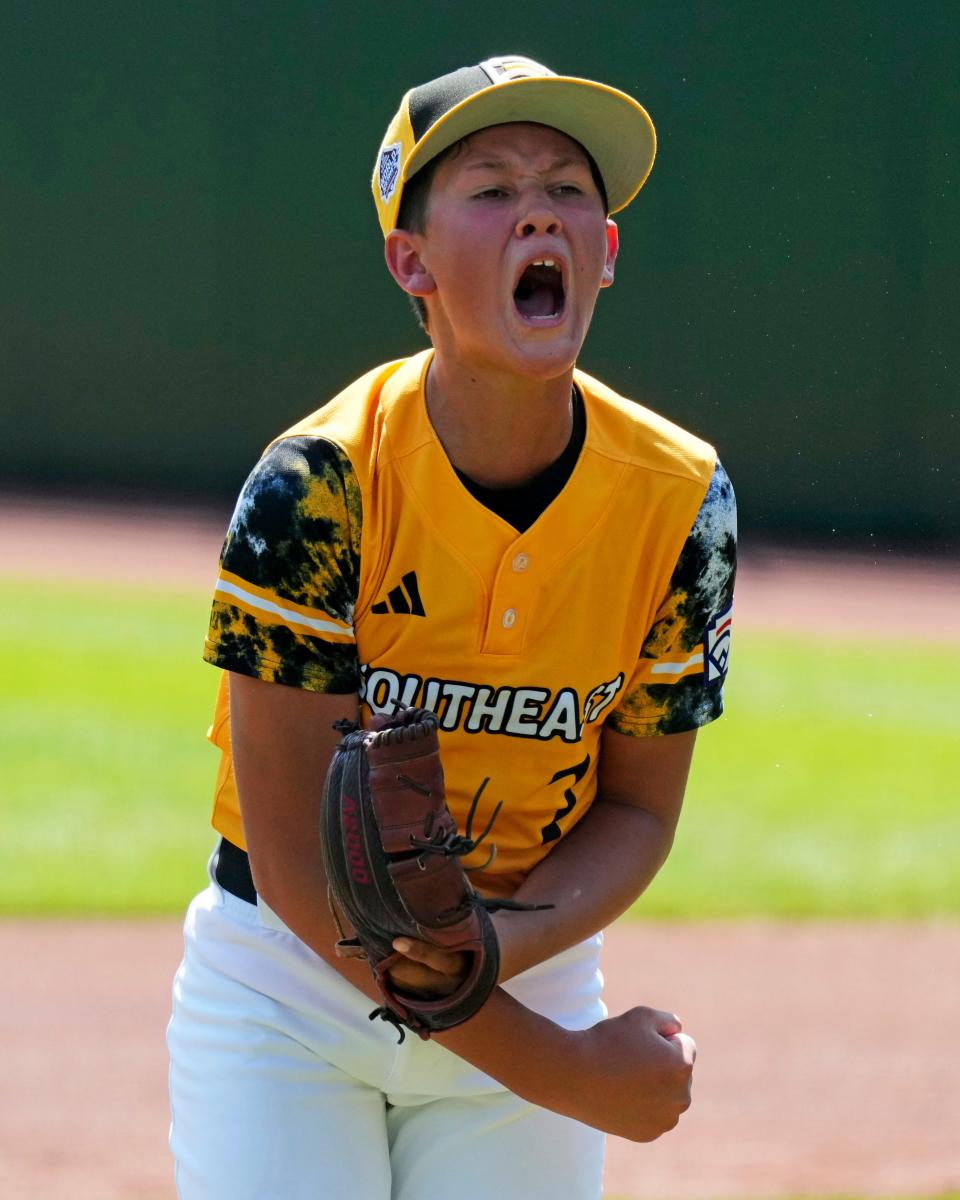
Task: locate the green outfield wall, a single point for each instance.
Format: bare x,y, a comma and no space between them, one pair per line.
189,258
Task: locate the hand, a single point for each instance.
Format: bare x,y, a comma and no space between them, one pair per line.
427,970
635,1074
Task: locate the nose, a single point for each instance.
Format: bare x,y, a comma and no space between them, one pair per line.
539,218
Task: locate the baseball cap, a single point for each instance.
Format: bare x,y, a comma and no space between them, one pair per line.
611,126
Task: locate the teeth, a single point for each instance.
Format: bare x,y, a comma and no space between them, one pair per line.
543,262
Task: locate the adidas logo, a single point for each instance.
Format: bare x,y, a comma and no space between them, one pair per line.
404,599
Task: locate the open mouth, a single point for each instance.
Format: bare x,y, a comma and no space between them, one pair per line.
539,295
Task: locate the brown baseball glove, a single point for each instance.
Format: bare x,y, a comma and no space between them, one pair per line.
391,851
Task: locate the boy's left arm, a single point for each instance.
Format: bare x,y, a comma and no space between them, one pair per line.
597,871
610,857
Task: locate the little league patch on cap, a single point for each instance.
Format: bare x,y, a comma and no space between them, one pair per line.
611,126
389,170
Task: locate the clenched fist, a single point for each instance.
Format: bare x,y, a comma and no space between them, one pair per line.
632,1074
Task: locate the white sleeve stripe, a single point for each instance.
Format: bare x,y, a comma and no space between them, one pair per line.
319,624
677,668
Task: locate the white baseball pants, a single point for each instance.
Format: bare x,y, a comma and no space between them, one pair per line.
281,1088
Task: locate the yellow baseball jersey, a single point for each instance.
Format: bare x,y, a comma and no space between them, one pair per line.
357,561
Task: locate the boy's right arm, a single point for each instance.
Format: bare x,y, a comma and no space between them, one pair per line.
629,1075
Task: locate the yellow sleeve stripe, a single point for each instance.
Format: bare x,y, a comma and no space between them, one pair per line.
297,617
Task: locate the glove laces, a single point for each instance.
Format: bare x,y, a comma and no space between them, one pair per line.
452,844
457,844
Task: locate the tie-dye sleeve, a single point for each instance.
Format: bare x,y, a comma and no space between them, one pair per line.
289,571
678,683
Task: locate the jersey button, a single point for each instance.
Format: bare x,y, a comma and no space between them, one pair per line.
521,562
509,618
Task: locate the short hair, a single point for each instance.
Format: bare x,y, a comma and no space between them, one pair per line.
415,203
412,215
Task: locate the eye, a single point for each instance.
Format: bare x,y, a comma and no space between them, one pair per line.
489,193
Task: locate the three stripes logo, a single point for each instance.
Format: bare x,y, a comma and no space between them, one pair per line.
403,600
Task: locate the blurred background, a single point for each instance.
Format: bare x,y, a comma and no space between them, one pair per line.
191,260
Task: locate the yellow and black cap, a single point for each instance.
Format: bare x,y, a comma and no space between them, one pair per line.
611,126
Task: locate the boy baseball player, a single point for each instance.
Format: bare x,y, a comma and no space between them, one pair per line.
485,531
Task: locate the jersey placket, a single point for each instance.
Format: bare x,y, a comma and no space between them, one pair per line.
512,601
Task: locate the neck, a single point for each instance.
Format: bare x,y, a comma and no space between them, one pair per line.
498,430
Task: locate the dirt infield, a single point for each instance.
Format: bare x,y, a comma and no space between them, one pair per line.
827,1062
827,1059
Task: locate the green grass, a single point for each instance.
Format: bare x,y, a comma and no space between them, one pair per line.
828,789
107,776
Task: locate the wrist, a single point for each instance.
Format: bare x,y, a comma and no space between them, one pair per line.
524,939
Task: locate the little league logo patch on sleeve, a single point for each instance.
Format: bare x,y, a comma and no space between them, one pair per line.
716,645
389,170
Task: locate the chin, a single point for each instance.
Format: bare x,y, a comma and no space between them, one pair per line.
543,367
544,356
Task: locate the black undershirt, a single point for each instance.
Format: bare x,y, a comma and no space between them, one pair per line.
520,506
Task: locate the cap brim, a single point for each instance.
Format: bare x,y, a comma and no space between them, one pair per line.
609,124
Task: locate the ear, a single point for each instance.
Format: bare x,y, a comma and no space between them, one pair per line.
613,247
402,252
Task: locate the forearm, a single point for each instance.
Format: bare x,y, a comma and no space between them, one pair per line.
628,1076
506,1040
606,861
590,878
294,886
524,1051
